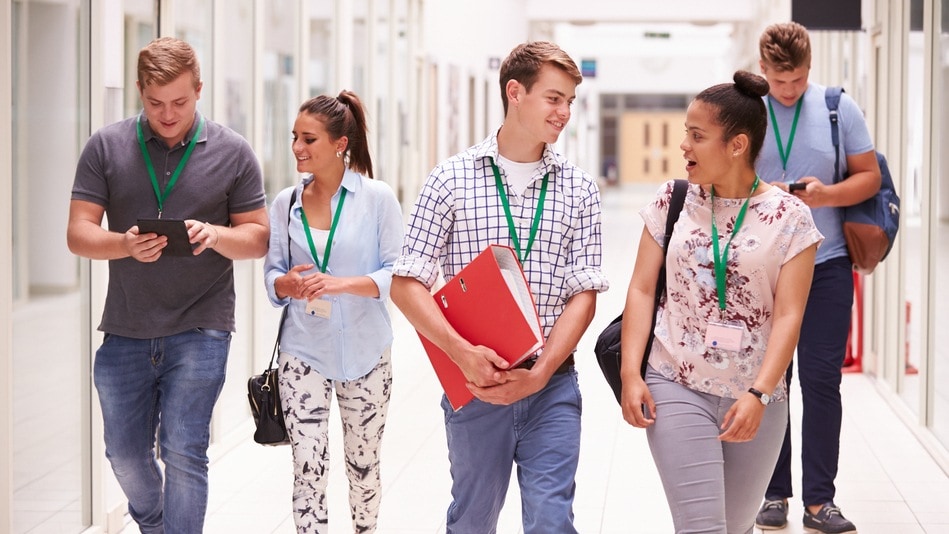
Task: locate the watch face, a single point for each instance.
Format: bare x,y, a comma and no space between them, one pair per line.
763,397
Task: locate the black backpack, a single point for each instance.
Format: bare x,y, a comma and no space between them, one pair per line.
871,226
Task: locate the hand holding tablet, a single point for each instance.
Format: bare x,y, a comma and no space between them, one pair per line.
179,243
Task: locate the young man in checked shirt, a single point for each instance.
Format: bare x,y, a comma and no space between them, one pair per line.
530,415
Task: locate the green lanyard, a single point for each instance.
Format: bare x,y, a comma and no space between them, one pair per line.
159,194
721,260
785,153
510,220
329,238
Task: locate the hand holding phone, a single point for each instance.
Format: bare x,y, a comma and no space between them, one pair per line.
797,186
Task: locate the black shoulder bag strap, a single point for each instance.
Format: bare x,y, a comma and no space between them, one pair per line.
283,315
832,99
679,190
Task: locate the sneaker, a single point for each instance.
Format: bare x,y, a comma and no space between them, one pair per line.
773,515
828,520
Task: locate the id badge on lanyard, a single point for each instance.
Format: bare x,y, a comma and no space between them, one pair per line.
725,335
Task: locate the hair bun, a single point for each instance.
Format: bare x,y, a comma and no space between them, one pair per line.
751,84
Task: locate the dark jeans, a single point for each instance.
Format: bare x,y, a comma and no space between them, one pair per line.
820,354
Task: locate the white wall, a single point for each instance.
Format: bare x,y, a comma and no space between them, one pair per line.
691,59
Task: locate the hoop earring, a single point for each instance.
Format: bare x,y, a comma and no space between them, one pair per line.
339,154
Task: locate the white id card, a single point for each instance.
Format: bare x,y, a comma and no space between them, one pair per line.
319,308
724,336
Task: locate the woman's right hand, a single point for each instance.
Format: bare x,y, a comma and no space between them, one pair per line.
637,402
293,284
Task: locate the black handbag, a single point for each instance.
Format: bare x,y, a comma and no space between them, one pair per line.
607,347
263,392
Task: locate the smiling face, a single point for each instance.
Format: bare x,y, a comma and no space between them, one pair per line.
708,157
170,108
542,113
313,148
787,86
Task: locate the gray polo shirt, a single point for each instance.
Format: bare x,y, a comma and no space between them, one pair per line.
173,294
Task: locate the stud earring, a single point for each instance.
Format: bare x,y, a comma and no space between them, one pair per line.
339,154
734,154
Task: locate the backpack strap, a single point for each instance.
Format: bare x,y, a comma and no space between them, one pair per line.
679,189
832,99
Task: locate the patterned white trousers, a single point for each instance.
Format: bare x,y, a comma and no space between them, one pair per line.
363,402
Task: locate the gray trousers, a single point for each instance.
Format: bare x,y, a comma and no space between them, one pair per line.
713,487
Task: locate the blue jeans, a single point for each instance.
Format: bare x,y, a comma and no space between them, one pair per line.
820,355
174,381
541,434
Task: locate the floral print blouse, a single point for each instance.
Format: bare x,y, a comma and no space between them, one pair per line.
776,227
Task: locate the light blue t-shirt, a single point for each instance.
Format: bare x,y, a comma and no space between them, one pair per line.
368,238
812,154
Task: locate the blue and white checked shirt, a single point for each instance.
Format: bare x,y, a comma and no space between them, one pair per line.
459,213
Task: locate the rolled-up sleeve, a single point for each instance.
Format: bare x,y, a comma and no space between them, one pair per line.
428,228
390,241
584,270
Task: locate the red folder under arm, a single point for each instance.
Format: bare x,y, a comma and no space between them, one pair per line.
488,303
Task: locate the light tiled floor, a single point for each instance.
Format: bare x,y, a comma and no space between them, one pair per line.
888,483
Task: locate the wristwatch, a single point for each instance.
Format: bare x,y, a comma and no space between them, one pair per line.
763,397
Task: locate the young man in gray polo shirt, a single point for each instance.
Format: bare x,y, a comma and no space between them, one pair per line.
168,318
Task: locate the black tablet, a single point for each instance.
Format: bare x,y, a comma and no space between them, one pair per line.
174,229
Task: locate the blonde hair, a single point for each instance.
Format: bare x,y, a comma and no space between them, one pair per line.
163,60
785,47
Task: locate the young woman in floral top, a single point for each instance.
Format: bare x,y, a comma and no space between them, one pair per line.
712,398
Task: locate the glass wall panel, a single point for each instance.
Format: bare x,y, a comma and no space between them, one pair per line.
360,46
321,48
140,29
939,226
237,69
281,97
50,472
911,215
193,24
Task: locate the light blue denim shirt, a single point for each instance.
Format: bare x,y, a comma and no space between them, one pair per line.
367,242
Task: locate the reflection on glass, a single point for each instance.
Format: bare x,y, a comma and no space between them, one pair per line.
911,221
321,45
237,73
281,98
194,26
48,466
139,31
940,233
359,46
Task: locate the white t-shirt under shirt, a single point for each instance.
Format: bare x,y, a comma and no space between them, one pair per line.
518,174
